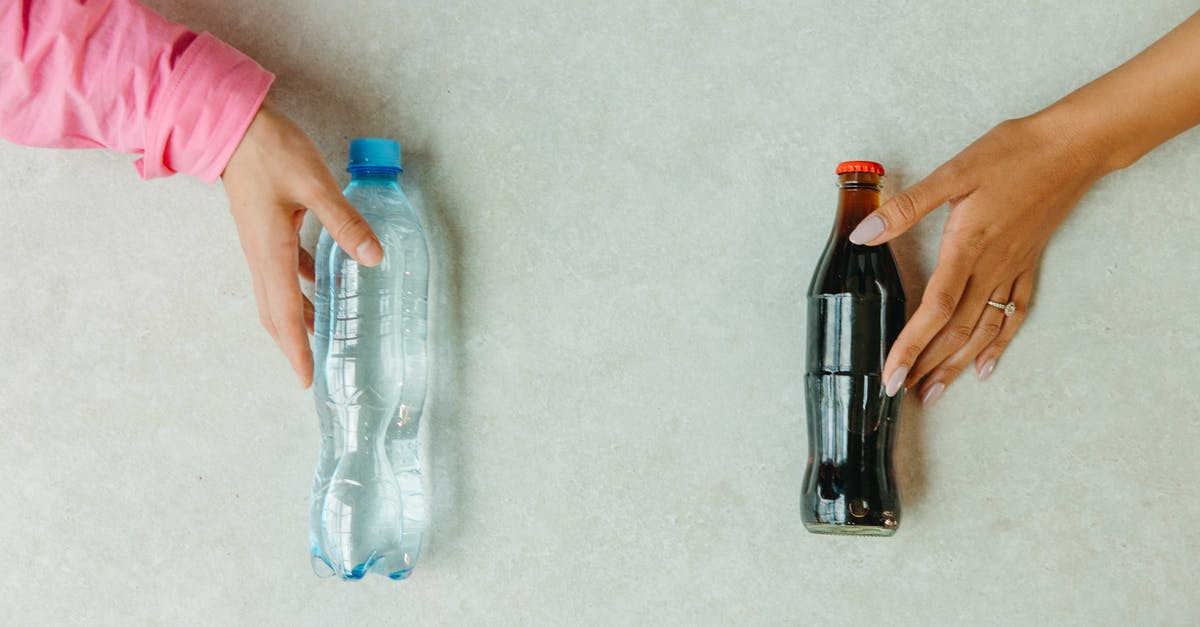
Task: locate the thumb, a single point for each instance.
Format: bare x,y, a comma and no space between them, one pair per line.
905,209
347,227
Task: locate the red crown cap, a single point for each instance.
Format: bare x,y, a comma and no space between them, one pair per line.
860,166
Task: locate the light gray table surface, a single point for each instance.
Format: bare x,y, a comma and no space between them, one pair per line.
625,201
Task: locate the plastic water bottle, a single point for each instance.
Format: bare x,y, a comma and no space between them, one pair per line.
369,512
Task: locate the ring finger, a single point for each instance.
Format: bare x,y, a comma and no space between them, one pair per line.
990,323
957,331
1021,295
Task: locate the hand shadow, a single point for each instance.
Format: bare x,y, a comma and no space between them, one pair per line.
910,447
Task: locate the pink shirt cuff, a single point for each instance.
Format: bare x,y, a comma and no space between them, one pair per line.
213,95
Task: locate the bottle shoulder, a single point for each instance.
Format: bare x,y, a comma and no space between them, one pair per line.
383,206
849,269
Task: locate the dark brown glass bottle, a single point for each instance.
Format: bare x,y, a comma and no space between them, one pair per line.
855,312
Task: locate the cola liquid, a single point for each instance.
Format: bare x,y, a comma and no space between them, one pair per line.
855,311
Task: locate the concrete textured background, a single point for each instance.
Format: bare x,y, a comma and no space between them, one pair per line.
626,200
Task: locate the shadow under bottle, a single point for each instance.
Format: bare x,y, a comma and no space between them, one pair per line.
856,308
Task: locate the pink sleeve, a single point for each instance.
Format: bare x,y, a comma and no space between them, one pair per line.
114,74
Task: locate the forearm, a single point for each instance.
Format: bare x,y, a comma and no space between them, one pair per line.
1126,113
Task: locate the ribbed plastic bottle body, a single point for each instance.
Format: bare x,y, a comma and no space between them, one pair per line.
369,512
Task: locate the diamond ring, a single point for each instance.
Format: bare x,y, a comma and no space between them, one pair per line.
1008,309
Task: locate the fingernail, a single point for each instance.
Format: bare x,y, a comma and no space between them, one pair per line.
986,370
369,253
867,230
933,393
897,380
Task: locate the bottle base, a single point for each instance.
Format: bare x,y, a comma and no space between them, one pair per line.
400,574
374,564
849,530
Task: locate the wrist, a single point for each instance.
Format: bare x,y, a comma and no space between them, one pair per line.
1087,137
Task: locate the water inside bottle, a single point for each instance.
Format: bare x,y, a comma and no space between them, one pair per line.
368,508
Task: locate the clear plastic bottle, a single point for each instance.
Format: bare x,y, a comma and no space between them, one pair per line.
369,512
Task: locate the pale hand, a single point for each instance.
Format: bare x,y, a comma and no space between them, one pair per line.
275,175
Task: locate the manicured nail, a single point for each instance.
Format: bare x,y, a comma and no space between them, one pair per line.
369,253
933,393
897,381
986,370
867,230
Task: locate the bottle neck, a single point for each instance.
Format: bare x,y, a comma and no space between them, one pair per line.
374,176
858,197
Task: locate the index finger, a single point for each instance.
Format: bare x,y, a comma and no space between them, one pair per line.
343,222
907,207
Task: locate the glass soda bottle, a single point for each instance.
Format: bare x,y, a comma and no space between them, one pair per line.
855,311
369,349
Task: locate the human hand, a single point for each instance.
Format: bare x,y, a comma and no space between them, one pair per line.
1008,191
274,176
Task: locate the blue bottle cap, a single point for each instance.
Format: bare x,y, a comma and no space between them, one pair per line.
373,152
